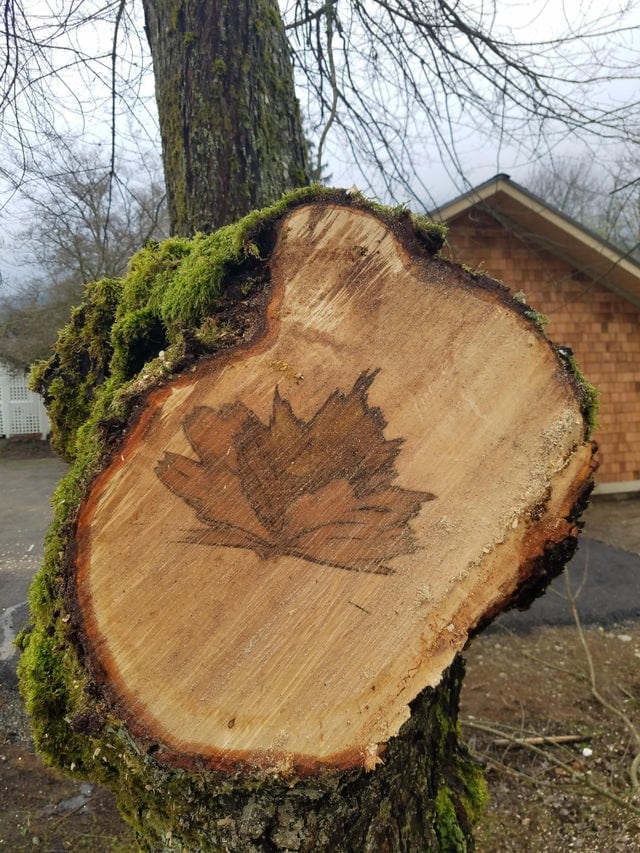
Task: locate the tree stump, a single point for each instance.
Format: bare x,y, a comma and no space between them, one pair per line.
268,580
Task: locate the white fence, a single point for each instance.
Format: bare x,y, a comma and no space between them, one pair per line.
22,411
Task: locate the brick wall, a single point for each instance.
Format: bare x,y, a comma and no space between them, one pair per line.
602,328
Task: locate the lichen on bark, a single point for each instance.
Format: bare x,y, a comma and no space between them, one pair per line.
230,123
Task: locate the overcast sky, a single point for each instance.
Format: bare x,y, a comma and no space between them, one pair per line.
479,153
475,154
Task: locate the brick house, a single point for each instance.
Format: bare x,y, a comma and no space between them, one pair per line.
588,288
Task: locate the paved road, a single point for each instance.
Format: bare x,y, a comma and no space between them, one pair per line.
25,512
606,579
603,580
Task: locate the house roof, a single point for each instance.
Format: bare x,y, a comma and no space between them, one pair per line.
559,234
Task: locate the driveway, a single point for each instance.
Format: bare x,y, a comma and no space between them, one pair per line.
26,486
604,576
604,582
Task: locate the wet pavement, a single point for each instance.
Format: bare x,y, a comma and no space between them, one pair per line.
603,578
26,486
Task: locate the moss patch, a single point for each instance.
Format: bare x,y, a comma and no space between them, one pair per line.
79,365
587,393
174,300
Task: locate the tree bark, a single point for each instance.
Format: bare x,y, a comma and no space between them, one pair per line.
231,131
251,618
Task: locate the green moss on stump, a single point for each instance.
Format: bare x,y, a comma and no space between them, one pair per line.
172,300
79,365
127,337
587,393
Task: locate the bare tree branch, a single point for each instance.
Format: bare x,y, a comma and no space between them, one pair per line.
84,215
381,80
407,73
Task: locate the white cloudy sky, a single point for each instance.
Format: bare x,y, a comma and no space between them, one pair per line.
478,154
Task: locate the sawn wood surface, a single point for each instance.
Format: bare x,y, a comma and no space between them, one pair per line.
296,537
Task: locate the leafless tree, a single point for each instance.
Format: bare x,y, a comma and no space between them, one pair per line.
379,80
391,76
76,225
604,197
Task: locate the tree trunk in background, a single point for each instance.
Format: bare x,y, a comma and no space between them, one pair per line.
232,136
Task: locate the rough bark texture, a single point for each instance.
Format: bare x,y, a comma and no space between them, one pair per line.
274,317
231,132
424,798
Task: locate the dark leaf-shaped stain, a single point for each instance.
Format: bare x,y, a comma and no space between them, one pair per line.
318,489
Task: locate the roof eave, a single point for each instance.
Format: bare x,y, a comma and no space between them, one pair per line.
559,234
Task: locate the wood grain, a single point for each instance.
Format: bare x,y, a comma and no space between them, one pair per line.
297,537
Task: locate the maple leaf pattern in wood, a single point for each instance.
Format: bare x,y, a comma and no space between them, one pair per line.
320,489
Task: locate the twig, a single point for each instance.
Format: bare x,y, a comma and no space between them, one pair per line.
614,709
548,665
112,165
634,770
575,774
330,12
512,771
539,740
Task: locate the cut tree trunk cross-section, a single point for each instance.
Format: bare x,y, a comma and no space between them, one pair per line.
295,538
